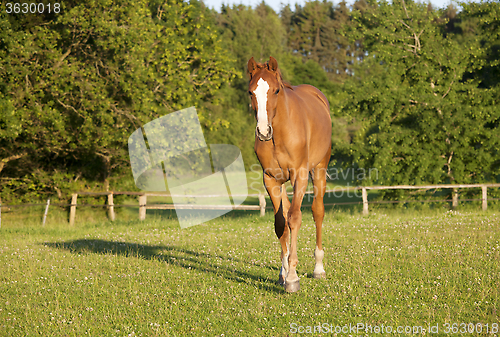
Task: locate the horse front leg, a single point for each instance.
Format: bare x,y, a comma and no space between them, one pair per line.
283,232
294,222
281,206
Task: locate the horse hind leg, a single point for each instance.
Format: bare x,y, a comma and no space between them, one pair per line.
318,210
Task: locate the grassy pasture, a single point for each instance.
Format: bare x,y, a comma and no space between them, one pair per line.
129,278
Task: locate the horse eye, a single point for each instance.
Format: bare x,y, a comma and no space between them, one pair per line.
250,93
277,91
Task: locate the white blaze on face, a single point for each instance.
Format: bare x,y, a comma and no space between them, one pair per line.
261,95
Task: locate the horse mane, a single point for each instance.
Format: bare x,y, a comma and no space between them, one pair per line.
281,83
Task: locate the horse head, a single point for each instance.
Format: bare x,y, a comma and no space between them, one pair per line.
264,87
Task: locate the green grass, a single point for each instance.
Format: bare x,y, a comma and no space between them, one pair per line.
219,278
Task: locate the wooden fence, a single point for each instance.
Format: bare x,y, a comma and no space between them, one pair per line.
484,196
143,206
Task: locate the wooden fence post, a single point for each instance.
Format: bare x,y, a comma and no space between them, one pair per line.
454,198
262,204
111,208
485,197
142,206
46,211
72,210
365,200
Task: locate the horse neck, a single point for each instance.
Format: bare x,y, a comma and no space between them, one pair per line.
282,116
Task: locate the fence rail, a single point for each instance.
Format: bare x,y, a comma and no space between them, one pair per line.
143,206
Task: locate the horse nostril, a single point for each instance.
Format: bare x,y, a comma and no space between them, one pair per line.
261,136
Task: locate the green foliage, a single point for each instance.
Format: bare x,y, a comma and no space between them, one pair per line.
423,120
77,86
251,32
481,22
314,34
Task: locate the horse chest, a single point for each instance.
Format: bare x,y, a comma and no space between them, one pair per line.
274,160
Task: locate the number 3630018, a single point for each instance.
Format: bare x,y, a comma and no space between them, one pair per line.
32,8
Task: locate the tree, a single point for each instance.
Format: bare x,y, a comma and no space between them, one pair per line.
481,22
309,29
422,119
315,33
77,85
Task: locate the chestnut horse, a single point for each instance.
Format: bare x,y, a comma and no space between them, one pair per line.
293,139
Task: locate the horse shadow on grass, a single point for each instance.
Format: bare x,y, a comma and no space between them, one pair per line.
180,257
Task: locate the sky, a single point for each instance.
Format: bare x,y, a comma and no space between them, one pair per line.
276,4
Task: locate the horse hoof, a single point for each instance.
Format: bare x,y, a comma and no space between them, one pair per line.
291,287
319,275
281,281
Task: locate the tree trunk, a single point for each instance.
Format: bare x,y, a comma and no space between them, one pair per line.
4,161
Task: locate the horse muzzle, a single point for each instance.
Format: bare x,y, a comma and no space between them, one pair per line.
261,136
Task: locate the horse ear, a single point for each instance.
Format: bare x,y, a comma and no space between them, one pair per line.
273,64
252,67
